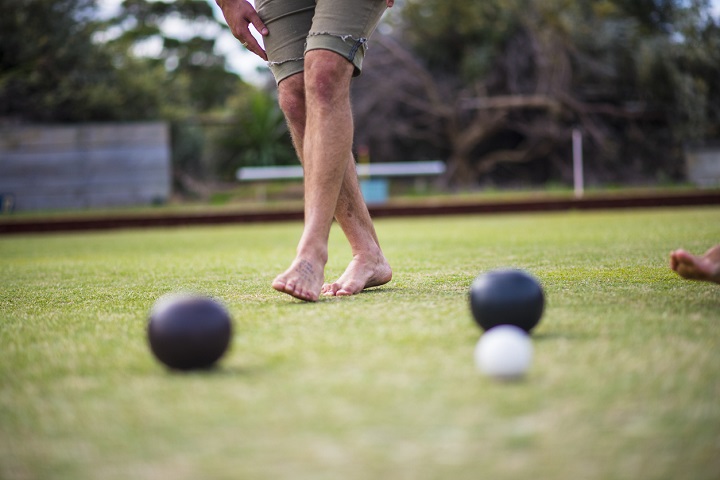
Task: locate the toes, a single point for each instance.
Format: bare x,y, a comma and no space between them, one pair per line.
304,295
300,281
293,289
349,289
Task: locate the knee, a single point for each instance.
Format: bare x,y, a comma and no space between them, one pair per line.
327,76
291,98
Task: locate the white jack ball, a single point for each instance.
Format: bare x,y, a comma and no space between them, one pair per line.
504,352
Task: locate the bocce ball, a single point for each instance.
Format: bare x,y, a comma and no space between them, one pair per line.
504,352
506,297
188,332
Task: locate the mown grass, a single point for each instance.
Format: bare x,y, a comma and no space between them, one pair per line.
625,381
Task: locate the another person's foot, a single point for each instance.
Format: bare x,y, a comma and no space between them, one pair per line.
302,280
362,272
705,267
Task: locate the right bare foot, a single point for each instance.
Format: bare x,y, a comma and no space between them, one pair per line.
363,272
706,267
303,280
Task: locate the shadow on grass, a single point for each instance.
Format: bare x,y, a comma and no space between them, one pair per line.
292,301
217,371
549,336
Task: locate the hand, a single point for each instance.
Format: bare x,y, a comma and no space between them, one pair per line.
390,3
239,15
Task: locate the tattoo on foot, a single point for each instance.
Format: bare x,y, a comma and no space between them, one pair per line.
304,268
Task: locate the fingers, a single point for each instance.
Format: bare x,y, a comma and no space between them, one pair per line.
250,17
257,23
252,45
239,16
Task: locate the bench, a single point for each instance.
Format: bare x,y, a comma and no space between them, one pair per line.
373,176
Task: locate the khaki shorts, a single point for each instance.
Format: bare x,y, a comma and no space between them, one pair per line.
298,26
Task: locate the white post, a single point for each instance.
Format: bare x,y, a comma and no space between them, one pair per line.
577,163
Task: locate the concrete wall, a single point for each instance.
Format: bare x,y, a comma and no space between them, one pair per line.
82,166
703,165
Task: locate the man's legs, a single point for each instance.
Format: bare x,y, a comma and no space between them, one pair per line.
368,267
317,107
705,267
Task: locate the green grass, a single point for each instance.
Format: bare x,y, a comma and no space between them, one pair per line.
625,383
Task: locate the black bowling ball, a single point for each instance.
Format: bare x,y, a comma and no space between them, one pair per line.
188,332
506,297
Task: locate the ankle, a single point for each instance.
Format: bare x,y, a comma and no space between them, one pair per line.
313,254
369,255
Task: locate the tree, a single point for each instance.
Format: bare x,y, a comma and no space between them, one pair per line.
503,82
479,109
255,135
195,72
51,70
220,122
77,68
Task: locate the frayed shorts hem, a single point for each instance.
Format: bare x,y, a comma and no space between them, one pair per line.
350,48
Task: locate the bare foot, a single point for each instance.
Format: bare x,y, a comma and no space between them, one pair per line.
706,267
302,280
361,273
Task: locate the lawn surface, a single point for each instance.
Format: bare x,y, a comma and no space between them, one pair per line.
625,383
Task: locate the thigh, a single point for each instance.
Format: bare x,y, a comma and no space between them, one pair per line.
297,26
344,27
289,23
357,18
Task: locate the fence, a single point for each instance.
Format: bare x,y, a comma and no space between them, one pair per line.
703,165
81,166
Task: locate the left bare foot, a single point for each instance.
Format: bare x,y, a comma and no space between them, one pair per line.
361,273
302,280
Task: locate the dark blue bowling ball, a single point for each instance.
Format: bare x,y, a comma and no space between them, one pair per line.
189,332
506,297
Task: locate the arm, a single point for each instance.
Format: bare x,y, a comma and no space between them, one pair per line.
239,15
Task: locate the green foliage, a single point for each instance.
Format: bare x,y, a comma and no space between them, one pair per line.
192,66
639,78
191,63
188,143
256,135
197,85
51,70
460,37
661,53
59,63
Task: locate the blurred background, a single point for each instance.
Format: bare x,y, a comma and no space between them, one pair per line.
137,102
